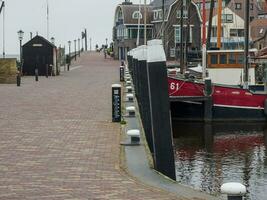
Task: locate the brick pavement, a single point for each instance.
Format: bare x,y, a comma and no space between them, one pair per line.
57,141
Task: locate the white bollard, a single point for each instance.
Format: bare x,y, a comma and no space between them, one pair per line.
128,78
130,111
129,89
134,134
128,83
234,191
130,97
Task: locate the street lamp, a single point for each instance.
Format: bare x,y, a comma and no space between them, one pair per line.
79,50
75,48
20,35
69,60
52,40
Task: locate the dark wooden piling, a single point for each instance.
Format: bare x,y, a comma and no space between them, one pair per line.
208,103
160,109
143,100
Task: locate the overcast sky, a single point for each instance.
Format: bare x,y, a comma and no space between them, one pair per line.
67,19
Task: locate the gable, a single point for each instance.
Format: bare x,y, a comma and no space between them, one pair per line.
38,41
237,20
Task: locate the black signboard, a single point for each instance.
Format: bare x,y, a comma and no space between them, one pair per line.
116,103
121,73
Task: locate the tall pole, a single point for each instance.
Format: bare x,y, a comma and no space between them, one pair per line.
204,48
79,50
82,41
210,23
188,28
163,24
90,44
219,24
69,59
85,32
182,68
47,25
20,53
4,45
138,27
75,49
145,23
246,53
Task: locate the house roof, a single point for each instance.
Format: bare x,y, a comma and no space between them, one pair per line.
231,6
258,28
36,38
129,9
158,3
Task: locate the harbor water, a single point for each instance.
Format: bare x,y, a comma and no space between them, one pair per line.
208,155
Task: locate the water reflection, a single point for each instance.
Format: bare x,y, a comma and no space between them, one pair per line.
208,155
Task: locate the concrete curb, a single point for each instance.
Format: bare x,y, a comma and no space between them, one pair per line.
143,172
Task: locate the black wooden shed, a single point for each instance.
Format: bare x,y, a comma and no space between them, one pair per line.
39,53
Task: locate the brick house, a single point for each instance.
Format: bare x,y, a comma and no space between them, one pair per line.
125,29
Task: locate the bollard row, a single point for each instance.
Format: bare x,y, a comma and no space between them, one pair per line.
148,76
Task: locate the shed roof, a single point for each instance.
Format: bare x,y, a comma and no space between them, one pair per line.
38,38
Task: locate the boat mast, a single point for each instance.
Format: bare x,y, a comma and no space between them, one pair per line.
219,24
163,23
204,48
145,22
138,27
182,68
210,23
188,3
246,52
2,8
47,20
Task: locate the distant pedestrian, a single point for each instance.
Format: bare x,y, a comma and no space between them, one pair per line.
68,61
105,53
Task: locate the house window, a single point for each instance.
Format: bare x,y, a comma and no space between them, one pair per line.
251,18
223,59
227,18
232,59
238,6
240,59
177,34
214,59
157,15
214,31
136,15
237,32
185,14
251,6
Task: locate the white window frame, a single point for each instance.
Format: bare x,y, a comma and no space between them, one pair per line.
137,14
177,28
185,14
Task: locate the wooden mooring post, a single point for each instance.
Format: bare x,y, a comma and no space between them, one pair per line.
160,109
143,98
208,102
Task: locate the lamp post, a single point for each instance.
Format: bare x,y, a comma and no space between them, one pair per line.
52,40
69,60
79,50
20,35
75,48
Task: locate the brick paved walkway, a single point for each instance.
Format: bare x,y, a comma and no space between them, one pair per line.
57,141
